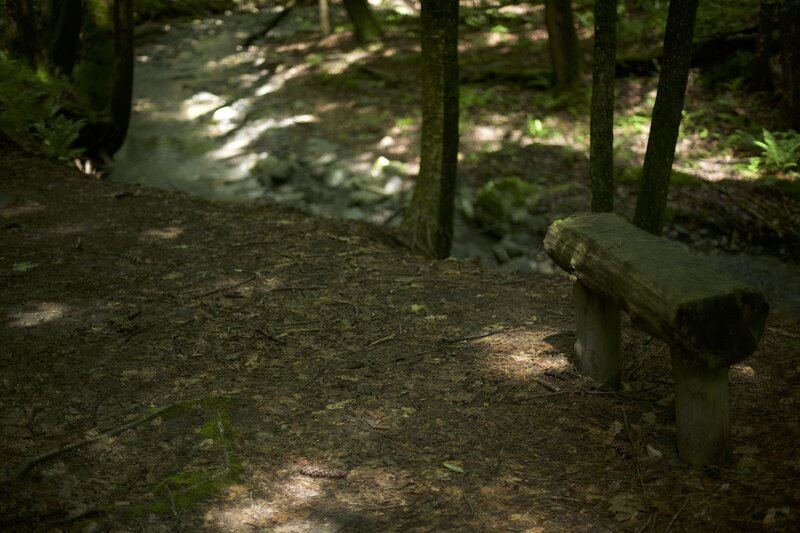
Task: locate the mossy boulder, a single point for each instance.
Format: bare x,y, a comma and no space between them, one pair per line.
508,203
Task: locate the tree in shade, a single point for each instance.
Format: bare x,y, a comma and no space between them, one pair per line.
365,26
790,61
26,39
64,49
676,58
601,151
565,50
428,222
122,75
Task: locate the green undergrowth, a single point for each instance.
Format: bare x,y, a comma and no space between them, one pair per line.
186,488
31,110
633,176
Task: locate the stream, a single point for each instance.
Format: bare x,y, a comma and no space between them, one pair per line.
213,120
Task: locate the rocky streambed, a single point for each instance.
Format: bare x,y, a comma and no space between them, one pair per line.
287,122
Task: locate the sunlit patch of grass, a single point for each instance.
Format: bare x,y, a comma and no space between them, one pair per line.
633,176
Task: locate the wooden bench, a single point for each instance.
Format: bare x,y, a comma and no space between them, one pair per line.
709,320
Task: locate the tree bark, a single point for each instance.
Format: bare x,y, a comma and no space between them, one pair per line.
565,52
428,222
27,37
365,27
790,62
324,17
652,200
68,19
601,151
767,22
122,85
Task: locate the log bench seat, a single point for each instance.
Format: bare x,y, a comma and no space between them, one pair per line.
709,320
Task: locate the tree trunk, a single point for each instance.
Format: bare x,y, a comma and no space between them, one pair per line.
428,223
324,17
365,27
122,75
601,152
68,19
565,51
27,33
790,62
762,73
652,200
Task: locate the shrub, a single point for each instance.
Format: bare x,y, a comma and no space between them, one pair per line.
30,110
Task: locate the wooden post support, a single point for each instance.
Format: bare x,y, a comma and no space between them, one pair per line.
701,411
597,348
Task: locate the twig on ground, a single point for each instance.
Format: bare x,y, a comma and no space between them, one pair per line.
171,500
229,287
675,516
27,465
474,337
379,341
546,385
270,336
635,459
464,495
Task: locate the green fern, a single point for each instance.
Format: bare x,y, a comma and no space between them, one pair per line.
779,151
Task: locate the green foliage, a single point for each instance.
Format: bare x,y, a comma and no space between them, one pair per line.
58,134
471,98
633,176
779,151
186,488
31,110
505,202
536,129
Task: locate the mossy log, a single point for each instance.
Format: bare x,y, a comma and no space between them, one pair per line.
675,295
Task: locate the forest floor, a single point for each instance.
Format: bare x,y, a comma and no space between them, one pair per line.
170,363
199,366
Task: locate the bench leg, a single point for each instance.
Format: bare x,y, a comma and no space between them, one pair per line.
597,349
701,412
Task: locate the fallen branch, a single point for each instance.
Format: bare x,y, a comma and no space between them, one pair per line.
227,288
30,463
271,23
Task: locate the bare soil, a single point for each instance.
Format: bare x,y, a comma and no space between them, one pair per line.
259,369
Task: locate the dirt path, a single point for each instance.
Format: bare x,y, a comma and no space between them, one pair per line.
318,378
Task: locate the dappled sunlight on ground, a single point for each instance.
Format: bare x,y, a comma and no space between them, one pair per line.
524,354
165,233
41,313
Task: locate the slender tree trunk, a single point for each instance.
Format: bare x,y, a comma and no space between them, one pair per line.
428,222
601,152
122,75
365,26
324,17
27,38
790,62
68,19
672,81
767,22
565,50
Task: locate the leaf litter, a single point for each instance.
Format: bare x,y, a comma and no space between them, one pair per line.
302,392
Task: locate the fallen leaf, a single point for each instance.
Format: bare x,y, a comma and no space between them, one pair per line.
24,266
453,467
